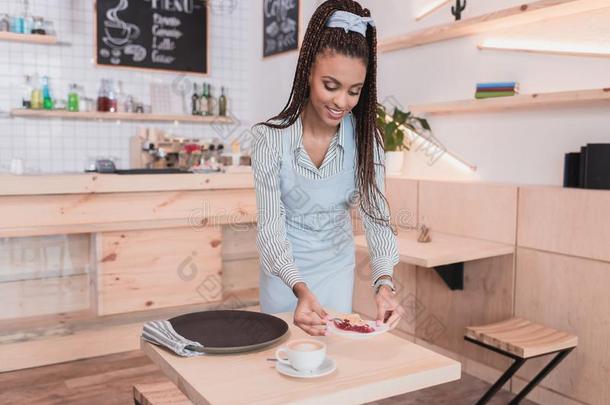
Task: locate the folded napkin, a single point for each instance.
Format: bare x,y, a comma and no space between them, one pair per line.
162,333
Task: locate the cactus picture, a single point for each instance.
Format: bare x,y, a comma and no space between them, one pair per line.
456,10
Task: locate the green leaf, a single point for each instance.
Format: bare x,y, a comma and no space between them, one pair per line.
400,138
424,123
399,116
390,129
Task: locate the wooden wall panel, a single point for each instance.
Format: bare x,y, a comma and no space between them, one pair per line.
569,294
240,258
404,280
140,270
402,197
240,274
59,349
569,221
239,241
478,210
43,257
44,296
487,297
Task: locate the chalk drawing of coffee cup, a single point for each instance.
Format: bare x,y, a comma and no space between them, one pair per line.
118,32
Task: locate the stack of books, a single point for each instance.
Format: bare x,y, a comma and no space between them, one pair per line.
496,89
589,168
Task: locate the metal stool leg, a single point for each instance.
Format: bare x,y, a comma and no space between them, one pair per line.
543,373
501,381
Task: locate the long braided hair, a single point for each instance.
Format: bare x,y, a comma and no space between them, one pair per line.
318,39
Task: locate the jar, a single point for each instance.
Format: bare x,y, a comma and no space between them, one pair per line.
38,26
103,101
16,24
5,23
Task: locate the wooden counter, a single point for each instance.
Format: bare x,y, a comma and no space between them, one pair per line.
84,183
87,203
104,245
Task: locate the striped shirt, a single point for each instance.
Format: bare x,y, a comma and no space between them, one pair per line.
273,246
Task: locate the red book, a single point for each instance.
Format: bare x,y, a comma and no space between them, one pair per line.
494,89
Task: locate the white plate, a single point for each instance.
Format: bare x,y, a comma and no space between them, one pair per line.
334,331
326,368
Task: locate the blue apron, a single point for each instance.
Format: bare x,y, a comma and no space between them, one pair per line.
319,229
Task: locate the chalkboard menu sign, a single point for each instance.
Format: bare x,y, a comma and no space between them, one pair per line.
169,35
281,26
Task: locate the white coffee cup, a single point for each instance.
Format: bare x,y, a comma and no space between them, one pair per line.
303,354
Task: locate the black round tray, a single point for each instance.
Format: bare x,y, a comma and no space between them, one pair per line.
230,331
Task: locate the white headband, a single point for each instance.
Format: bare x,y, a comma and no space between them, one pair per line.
349,22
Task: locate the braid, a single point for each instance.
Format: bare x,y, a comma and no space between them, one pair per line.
319,38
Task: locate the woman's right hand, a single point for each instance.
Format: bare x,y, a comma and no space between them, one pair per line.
309,314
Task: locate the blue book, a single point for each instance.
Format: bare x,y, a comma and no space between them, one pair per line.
496,84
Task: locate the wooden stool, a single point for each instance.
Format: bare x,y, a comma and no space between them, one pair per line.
159,394
521,340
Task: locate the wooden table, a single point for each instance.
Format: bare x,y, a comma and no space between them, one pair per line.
446,253
367,370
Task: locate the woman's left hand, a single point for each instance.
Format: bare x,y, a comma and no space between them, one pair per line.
388,308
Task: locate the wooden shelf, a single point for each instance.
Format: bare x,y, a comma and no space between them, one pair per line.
549,51
94,115
521,101
583,35
525,14
30,38
444,249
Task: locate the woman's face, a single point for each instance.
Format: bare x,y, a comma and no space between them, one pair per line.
335,84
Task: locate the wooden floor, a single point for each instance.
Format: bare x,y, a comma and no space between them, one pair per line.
109,380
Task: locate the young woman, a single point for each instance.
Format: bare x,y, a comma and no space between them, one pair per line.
312,162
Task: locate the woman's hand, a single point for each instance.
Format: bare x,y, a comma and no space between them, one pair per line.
388,308
309,314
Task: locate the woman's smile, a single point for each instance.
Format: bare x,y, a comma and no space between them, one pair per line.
335,114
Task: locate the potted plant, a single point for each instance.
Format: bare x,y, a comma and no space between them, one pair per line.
394,127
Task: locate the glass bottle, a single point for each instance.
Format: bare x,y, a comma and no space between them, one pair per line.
47,101
17,24
73,99
195,101
211,101
5,23
26,101
112,101
120,98
203,100
222,103
103,103
28,21
36,99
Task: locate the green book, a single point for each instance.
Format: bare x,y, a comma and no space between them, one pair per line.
493,94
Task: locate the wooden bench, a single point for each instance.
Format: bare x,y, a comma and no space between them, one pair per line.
163,393
521,340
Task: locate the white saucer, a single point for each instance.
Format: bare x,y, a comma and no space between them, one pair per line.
326,368
357,335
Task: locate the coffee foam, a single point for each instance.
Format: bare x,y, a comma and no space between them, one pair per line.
305,346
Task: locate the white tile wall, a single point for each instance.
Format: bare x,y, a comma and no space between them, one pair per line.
54,145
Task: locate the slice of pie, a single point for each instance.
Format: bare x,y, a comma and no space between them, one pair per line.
353,323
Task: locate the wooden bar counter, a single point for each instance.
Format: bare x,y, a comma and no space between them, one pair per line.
80,248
